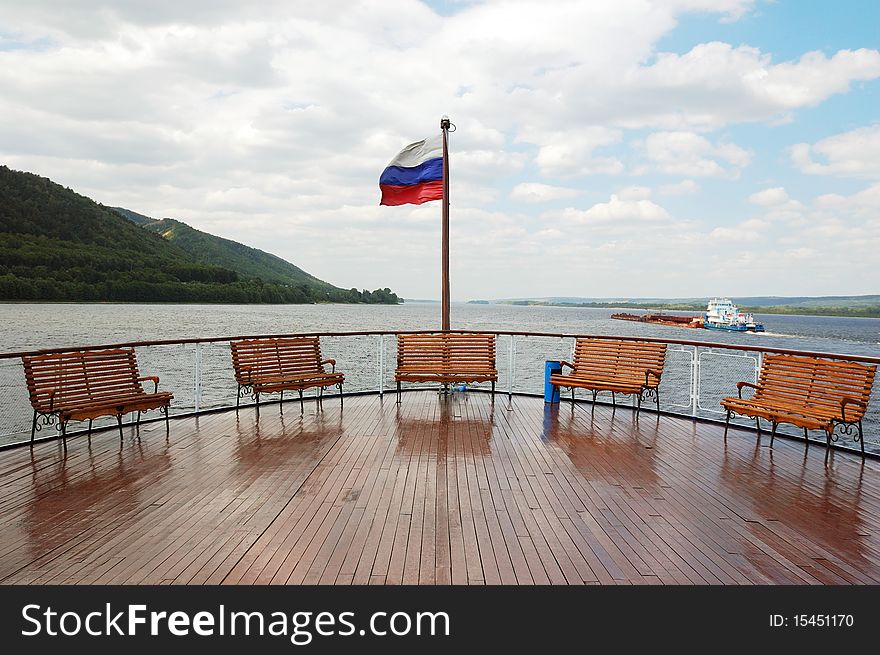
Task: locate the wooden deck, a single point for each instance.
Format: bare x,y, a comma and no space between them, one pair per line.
454,490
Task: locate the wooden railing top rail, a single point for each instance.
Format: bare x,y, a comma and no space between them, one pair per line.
558,335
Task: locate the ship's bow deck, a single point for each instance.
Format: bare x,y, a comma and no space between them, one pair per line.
437,490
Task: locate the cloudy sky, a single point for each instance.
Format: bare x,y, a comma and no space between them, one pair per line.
613,149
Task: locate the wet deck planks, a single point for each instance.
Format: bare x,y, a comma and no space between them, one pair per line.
437,490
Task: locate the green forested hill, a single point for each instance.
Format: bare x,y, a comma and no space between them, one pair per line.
58,245
213,250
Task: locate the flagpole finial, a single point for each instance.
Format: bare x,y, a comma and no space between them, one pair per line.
445,122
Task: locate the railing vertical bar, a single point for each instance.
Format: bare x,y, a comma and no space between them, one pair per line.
510,365
695,381
381,365
197,377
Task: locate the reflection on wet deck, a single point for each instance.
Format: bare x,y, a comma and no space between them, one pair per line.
437,490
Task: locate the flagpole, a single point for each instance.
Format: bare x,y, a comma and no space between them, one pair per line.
444,125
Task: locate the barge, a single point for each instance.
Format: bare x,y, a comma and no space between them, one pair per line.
662,319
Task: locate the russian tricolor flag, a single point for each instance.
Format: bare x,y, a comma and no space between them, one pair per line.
415,175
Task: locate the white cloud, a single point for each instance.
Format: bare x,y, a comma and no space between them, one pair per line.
800,254
617,210
536,192
571,153
769,197
815,77
731,10
715,84
687,153
853,154
634,193
683,188
269,122
728,234
863,204
485,164
755,224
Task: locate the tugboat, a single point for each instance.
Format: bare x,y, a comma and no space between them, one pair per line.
721,314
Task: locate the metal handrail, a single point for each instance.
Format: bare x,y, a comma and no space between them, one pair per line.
693,408
513,333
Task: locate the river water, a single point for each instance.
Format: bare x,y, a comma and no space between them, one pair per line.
37,326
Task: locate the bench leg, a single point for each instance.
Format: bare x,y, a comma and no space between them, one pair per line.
572,398
237,399
90,430
340,395
64,434
398,392
758,423
493,391
593,406
34,427
726,425
827,444
806,439
119,422
302,408
861,439
773,432
613,400
639,405
657,399
167,409
281,403
257,398
139,419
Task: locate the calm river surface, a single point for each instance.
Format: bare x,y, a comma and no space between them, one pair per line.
36,326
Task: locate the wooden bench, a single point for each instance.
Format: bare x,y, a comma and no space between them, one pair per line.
86,384
812,393
279,365
627,367
446,358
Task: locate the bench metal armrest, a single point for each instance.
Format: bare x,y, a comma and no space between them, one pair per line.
332,363
740,385
564,364
651,371
850,401
153,378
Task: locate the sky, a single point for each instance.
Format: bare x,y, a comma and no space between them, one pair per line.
640,148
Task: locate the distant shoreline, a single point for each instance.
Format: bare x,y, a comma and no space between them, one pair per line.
844,312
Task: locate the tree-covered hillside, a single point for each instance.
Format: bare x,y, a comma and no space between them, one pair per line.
212,250
57,245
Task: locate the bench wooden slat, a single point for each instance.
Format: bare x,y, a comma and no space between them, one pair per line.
283,364
628,367
808,392
79,385
445,358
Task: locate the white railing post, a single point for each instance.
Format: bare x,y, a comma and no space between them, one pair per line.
695,381
511,350
197,377
381,365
